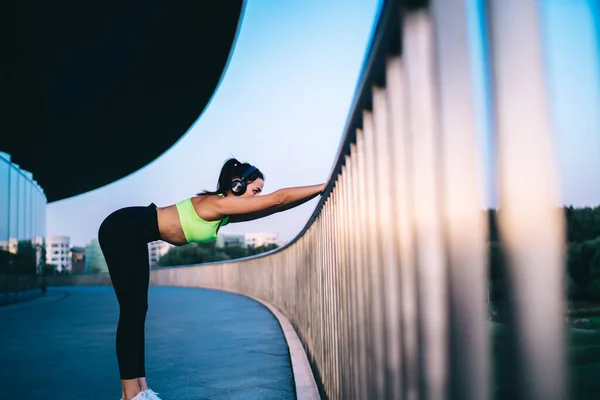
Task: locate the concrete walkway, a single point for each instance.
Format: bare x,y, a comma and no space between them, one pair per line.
200,344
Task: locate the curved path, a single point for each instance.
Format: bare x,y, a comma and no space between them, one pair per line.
200,344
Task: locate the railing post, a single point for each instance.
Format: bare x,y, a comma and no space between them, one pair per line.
402,172
465,228
388,236
432,276
364,269
530,220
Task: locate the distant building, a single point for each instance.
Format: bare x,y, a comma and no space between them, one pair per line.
78,260
263,239
94,259
230,241
11,245
156,250
58,249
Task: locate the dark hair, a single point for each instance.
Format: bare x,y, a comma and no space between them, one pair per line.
232,169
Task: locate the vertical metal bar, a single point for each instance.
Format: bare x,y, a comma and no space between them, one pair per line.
377,309
336,290
402,172
334,287
432,277
318,353
352,273
328,348
360,287
390,291
367,351
347,282
463,216
333,314
354,278
333,332
347,277
530,220
343,305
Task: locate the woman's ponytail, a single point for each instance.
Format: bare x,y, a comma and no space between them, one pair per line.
231,168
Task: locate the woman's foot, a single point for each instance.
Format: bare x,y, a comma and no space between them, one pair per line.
139,396
150,394
131,389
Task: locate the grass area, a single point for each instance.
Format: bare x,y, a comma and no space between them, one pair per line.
594,323
583,363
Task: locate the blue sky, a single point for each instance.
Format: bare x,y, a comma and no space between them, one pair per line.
573,60
284,99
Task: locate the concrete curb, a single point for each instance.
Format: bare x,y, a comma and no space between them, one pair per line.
306,387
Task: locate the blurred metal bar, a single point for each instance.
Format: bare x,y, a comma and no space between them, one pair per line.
364,275
328,345
343,267
431,271
373,239
365,348
463,216
330,351
406,252
349,280
387,228
333,349
530,220
336,292
355,237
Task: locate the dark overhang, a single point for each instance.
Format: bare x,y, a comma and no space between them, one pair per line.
93,91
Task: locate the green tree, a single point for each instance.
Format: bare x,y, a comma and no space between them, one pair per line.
198,253
25,258
252,250
497,273
234,252
594,268
582,224
577,275
582,278
492,217
184,255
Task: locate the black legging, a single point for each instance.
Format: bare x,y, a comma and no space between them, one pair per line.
124,236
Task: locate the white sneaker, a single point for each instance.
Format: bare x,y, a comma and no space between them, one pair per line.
139,396
150,394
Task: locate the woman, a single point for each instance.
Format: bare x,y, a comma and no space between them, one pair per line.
124,236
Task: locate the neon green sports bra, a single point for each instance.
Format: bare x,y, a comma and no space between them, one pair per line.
195,228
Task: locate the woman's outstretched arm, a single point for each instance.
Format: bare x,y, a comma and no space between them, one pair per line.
260,206
300,193
273,210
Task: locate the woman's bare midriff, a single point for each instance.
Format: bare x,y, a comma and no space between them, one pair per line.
169,225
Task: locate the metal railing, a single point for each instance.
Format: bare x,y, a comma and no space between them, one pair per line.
386,285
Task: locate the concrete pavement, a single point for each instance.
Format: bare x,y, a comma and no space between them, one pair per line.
200,344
